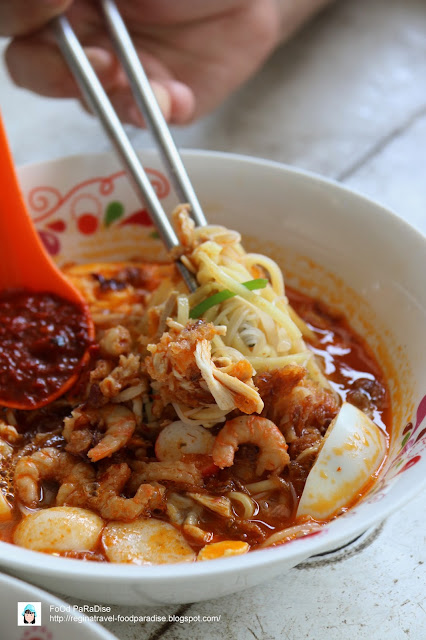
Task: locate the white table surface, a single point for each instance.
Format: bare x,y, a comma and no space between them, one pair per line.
347,99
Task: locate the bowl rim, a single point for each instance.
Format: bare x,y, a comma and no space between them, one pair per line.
207,154
298,549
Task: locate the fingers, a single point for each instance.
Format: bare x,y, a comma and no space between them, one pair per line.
175,99
40,67
127,110
26,57
19,17
176,102
182,100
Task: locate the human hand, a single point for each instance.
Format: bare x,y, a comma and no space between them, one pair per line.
195,53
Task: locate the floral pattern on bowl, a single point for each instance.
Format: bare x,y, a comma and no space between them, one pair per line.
91,208
40,633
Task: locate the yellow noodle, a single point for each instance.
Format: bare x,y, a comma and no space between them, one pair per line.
243,501
271,267
197,533
182,310
308,452
298,531
303,327
192,518
206,416
264,485
317,375
269,364
256,299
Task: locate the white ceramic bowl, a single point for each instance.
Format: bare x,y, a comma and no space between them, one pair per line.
332,243
55,619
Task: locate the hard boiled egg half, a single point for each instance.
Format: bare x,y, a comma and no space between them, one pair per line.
352,451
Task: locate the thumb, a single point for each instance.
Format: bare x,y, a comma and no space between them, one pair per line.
20,17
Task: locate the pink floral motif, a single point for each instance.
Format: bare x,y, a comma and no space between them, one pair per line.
87,223
412,434
413,441
57,225
138,217
45,200
86,202
159,182
421,413
39,633
410,463
50,241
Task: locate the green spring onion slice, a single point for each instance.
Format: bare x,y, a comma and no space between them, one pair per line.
221,296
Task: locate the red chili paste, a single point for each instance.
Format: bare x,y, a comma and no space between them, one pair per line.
42,340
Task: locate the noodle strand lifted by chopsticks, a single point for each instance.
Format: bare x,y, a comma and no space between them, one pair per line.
241,297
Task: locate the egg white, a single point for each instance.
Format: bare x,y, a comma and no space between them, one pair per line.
352,451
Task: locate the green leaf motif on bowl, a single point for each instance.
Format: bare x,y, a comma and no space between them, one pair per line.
114,211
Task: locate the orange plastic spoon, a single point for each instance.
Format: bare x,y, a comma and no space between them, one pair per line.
26,267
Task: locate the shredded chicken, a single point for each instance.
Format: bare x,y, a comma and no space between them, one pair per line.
184,371
157,316
226,385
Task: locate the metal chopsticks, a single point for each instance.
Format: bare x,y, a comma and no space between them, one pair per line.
96,97
148,104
